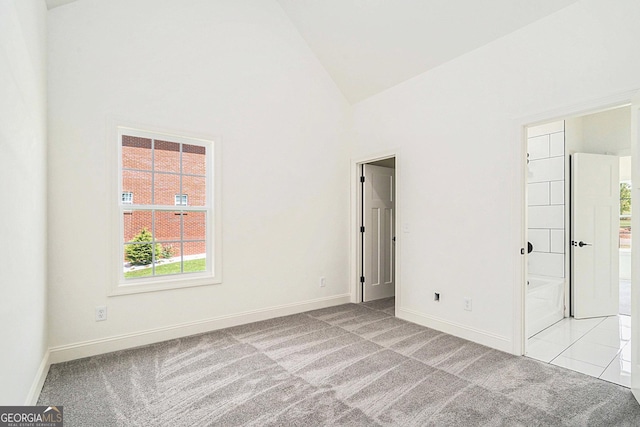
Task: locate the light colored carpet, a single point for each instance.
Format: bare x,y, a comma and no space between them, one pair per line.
345,365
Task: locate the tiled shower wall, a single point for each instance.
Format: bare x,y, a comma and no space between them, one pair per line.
546,199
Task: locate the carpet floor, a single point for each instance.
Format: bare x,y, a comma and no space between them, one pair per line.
354,364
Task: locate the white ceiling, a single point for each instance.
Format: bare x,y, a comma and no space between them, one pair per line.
368,46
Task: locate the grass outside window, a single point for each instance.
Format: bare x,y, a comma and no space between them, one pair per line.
190,266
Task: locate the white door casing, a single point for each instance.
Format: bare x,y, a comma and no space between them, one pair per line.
595,220
379,230
635,242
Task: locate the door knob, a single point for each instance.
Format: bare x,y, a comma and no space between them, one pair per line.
581,244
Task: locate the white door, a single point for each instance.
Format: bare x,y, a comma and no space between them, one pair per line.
595,220
379,230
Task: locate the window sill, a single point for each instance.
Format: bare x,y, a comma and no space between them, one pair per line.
130,287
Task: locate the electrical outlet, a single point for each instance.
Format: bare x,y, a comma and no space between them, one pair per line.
467,304
101,313
323,282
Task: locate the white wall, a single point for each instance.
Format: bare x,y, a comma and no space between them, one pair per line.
605,132
238,70
546,199
573,134
23,229
460,168
625,168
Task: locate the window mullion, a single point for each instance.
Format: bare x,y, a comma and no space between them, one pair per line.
169,208
181,216
153,212
153,172
153,243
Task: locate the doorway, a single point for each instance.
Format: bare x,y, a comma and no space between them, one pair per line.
575,289
376,226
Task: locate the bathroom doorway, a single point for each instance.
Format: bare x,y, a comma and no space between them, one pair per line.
559,329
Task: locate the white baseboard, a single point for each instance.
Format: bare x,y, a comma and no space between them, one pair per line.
481,337
38,381
79,350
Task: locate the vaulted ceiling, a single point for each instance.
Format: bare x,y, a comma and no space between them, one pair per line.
368,46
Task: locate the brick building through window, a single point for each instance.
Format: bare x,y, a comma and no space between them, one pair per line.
164,188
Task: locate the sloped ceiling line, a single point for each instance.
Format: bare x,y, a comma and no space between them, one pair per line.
368,46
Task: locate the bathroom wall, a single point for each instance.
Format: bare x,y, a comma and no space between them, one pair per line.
605,132
546,199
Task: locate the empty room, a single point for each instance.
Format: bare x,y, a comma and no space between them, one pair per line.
300,212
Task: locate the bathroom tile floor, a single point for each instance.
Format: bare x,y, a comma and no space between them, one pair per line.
600,347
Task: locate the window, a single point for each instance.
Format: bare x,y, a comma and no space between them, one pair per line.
181,200
625,215
166,236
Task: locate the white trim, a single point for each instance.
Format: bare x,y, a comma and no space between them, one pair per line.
213,275
519,219
589,106
79,350
38,381
354,248
163,283
519,223
635,243
476,335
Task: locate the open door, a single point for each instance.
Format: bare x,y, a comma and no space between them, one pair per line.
595,220
379,230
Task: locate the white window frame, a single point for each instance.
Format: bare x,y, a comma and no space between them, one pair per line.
213,273
181,200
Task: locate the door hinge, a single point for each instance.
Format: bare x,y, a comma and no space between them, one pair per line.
361,279
362,229
362,179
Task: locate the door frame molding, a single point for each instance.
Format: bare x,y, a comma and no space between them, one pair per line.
519,133
355,250
635,243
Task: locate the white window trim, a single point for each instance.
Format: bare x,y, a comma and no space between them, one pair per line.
213,274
